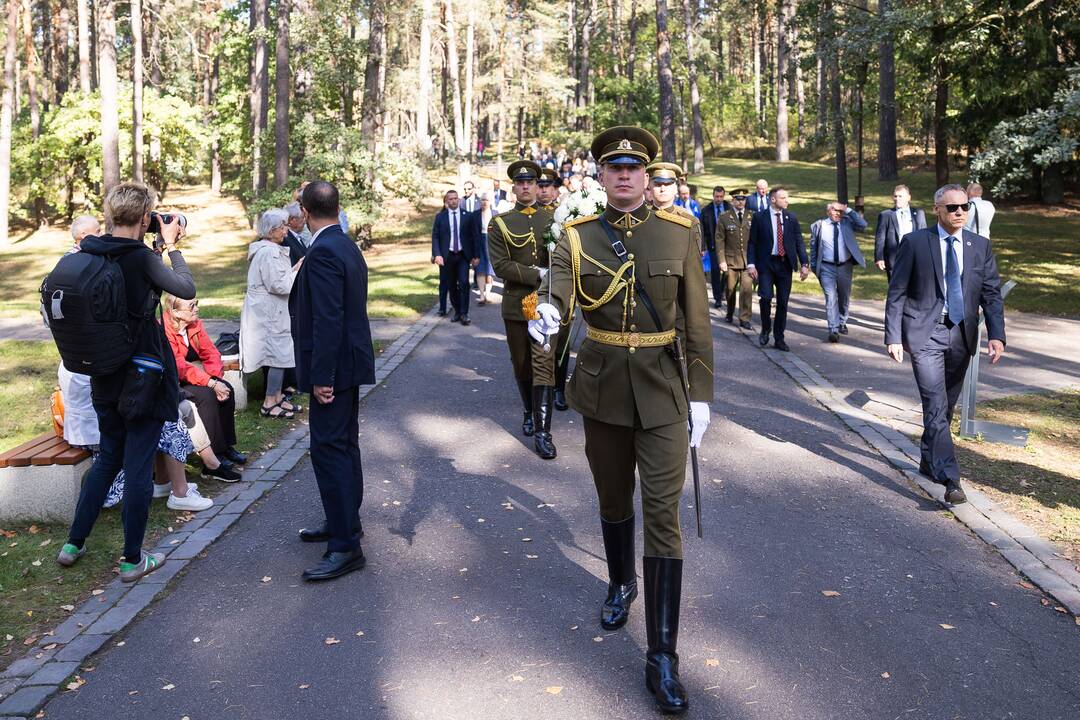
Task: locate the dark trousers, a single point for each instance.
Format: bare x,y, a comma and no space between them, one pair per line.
445,285
218,417
520,344
774,278
335,456
716,278
939,368
127,445
457,268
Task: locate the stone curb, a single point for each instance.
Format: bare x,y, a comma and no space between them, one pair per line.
1038,559
30,681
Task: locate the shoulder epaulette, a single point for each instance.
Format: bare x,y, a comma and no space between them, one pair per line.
672,217
580,220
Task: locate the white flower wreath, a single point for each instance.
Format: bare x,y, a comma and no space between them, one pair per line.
576,205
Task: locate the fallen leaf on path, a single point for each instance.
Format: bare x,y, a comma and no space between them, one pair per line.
96,591
36,563
8,533
1061,609
1045,602
516,678
359,633
476,619
170,686
195,640
885,675
50,646
526,539
69,608
45,542
121,643
331,641
305,686
947,626
830,593
34,529
712,662
598,638
75,684
267,578
30,640
1027,585
532,557
553,689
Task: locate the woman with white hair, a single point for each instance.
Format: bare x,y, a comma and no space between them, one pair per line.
265,333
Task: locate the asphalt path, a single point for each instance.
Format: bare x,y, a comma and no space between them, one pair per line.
825,587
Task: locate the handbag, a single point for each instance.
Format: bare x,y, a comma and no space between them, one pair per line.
228,343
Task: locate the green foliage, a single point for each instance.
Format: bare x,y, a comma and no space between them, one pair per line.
1043,138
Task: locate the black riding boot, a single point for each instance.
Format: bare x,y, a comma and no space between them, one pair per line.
560,383
663,591
525,387
542,397
622,575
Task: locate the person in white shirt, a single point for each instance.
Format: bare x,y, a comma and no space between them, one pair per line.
982,211
893,225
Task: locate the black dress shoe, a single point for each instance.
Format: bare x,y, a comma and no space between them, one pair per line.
834,337
745,325
456,318
781,345
718,305
336,564
465,320
843,329
560,400
441,313
763,338
321,534
729,318
925,471
234,457
954,494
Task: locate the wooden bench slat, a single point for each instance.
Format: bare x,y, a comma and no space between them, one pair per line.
21,456
45,452
70,456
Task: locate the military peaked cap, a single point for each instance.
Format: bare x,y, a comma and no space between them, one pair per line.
548,175
664,172
523,170
625,144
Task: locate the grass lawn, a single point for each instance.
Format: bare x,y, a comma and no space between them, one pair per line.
1034,244
1040,484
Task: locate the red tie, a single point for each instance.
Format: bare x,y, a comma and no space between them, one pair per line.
779,237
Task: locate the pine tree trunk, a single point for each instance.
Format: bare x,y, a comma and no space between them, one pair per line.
6,110
615,34
31,68
260,89
838,131
584,78
371,108
155,54
470,97
110,118
455,80
690,22
61,68
83,10
759,21
783,52
136,91
887,159
631,58
282,84
215,144
423,95
800,88
666,81
941,106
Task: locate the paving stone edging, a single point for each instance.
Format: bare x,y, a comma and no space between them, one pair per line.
31,680
1037,558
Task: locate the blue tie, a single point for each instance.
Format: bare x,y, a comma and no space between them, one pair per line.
953,289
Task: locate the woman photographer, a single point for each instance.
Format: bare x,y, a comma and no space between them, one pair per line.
130,439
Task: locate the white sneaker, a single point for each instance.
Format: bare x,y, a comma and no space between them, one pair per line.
164,491
193,501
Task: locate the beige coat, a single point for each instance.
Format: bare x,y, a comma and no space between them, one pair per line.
265,332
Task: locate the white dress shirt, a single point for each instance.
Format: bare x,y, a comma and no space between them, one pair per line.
904,223
828,239
980,216
944,244
775,216
455,231
319,232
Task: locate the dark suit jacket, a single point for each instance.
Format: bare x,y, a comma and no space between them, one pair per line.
756,203
440,235
708,222
850,224
917,291
497,196
761,240
297,248
331,334
887,234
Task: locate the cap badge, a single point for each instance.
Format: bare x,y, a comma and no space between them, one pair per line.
624,144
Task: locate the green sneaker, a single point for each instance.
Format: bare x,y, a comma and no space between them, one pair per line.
130,572
69,554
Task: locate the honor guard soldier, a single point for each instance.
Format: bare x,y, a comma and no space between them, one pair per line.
549,183
664,180
732,238
631,270
519,256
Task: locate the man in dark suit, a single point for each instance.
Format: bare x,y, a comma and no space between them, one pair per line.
453,249
942,276
709,216
776,251
469,203
760,199
893,225
834,252
497,195
334,357
293,240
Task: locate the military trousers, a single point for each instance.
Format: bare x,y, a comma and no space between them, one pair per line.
544,364
531,363
659,457
739,282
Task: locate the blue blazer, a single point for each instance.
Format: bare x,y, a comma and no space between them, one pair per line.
756,203
440,234
850,223
708,222
917,291
761,240
328,303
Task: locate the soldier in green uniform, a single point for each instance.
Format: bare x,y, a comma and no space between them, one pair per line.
732,237
664,180
549,200
548,185
520,257
629,388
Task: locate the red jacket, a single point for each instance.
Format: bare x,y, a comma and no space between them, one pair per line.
206,350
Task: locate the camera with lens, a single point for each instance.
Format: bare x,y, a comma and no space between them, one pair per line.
159,219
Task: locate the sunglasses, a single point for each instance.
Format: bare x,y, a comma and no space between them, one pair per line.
953,207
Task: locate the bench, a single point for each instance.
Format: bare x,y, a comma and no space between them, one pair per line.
40,480
230,365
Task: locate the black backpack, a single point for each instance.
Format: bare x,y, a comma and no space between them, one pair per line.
84,304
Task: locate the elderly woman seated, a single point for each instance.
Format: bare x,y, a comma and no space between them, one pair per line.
199,366
265,329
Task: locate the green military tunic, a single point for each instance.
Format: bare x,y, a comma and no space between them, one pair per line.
517,251
732,238
626,383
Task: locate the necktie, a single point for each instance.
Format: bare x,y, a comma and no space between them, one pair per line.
739,215
954,291
453,233
779,237
836,243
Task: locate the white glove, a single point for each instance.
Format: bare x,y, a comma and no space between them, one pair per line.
547,324
699,414
543,272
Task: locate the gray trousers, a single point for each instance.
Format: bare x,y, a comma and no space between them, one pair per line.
939,368
836,282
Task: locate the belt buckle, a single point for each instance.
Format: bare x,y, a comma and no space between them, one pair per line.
633,340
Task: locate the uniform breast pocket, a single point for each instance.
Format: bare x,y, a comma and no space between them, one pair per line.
596,280
664,277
